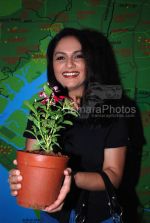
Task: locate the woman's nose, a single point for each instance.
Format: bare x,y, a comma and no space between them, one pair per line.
70,63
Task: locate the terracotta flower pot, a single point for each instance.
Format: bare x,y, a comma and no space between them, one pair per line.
42,178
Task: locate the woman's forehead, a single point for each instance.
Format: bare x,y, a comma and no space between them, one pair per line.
68,43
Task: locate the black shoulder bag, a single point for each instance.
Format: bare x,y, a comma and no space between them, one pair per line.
114,206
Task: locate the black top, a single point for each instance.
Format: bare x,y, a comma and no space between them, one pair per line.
85,144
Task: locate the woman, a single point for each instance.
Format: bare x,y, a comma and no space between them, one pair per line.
81,62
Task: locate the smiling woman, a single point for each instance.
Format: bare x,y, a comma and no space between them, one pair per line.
81,63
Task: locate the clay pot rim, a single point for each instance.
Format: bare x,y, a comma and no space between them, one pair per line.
38,160
43,155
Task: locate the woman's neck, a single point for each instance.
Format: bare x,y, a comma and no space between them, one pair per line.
76,93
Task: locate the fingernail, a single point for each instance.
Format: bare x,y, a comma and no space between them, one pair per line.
19,186
14,193
19,177
17,172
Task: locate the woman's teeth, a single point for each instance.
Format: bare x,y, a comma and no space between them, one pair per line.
70,74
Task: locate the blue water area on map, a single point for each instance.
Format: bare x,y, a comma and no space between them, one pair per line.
25,93
10,211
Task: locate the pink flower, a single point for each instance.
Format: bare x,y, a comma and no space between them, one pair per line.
44,101
42,95
55,88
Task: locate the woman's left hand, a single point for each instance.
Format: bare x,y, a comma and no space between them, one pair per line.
58,204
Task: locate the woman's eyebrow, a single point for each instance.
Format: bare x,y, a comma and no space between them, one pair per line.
60,52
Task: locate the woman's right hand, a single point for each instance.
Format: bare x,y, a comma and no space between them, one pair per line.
14,180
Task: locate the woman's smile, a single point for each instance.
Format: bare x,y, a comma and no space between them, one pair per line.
73,74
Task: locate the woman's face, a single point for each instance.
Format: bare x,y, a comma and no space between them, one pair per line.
69,65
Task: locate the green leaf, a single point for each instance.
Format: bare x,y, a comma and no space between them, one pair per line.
57,144
56,135
34,129
30,132
30,106
36,122
47,90
67,122
60,127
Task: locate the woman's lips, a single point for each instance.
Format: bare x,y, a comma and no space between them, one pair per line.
72,74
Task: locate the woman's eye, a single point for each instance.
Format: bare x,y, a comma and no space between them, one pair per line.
78,56
60,58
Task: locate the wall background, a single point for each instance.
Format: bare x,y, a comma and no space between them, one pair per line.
26,27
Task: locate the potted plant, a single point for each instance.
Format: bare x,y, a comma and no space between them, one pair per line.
41,167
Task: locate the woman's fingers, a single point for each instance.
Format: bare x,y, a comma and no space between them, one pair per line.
68,172
14,193
48,209
15,187
14,172
14,176
14,181
15,162
57,205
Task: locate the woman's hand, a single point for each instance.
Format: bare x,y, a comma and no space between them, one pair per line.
14,180
58,204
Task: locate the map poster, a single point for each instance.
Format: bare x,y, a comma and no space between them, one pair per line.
26,27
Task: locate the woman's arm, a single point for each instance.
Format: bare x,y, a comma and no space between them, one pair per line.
114,160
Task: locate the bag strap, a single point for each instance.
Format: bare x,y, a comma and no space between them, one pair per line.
81,211
113,203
